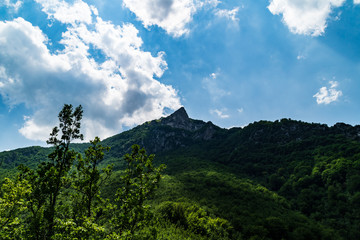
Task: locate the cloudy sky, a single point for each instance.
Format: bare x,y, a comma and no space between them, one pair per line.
127,62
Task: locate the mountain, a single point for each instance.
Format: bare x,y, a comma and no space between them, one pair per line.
176,130
270,180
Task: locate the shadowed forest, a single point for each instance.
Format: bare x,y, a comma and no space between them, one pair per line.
270,180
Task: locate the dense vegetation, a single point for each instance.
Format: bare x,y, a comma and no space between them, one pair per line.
60,198
270,180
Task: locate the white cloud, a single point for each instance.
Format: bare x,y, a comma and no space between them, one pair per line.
211,3
229,14
213,75
171,15
12,4
34,131
174,16
356,1
240,110
333,84
220,113
62,11
328,95
300,57
307,17
121,91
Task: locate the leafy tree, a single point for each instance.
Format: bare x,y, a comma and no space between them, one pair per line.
88,207
12,203
139,181
62,158
89,179
62,199
52,177
195,219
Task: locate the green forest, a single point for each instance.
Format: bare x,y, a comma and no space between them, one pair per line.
269,180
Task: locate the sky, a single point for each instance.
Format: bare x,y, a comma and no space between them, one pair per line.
131,61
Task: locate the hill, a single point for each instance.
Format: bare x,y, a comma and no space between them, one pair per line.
270,180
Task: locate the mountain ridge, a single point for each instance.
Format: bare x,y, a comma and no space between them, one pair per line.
302,168
198,130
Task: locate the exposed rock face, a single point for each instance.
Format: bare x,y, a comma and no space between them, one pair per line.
208,132
180,119
169,133
183,131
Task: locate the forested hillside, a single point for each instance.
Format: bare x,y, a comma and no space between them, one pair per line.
270,180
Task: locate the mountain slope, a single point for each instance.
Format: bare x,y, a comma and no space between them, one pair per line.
284,179
165,134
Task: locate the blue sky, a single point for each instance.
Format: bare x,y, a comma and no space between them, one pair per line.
130,61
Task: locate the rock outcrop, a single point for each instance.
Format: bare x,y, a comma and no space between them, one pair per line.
180,119
178,130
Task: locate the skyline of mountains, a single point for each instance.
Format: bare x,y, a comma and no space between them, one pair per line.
283,179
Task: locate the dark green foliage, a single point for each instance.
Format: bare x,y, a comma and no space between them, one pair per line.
139,181
270,180
60,199
31,157
12,205
89,179
195,219
247,206
51,177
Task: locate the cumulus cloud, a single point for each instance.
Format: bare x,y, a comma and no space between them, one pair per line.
34,131
120,91
174,16
219,113
171,15
64,12
328,95
228,14
308,17
12,4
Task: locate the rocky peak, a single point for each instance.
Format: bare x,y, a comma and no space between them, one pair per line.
180,119
179,116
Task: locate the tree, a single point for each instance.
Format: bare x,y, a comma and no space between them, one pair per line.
139,181
89,179
51,177
12,203
88,209
61,198
62,157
